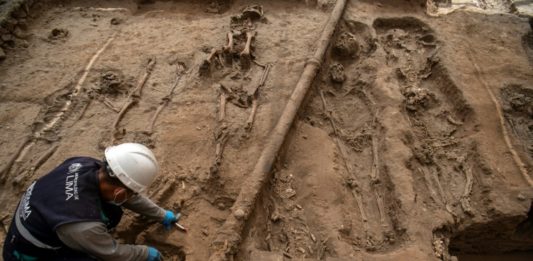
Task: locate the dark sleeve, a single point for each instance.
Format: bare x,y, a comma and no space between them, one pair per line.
92,238
145,206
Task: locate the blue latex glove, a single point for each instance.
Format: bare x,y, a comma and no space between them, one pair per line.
153,254
170,219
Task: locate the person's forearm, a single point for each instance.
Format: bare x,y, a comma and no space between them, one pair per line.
92,238
145,206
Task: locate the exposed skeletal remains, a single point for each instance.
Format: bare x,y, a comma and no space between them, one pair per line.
240,42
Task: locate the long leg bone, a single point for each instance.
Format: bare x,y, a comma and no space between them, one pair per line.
374,180
429,185
221,139
441,191
356,194
84,109
222,109
4,172
135,95
250,121
465,198
245,55
165,100
228,49
205,67
40,161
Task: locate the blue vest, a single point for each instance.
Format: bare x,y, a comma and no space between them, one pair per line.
67,194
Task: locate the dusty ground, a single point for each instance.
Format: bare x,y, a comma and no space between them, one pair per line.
407,160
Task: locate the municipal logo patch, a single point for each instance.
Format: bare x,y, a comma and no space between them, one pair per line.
74,167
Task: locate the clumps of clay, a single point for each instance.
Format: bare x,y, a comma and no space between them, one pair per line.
336,72
417,98
58,33
111,83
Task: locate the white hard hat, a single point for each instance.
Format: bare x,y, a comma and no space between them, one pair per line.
133,164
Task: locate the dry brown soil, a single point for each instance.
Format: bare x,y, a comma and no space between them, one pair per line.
397,153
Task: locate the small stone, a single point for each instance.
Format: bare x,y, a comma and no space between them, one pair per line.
205,232
239,213
521,197
304,137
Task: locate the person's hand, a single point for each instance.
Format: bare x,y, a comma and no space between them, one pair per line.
170,219
153,254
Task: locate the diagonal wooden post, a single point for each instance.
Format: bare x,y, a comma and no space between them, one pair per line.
228,236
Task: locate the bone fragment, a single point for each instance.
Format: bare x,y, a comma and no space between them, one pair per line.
245,55
222,108
84,109
429,185
41,160
228,49
465,198
110,105
221,142
251,117
453,121
165,100
250,121
442,194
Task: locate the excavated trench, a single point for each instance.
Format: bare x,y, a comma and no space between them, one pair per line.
508,238
385,160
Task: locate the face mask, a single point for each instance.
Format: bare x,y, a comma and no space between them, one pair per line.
114,201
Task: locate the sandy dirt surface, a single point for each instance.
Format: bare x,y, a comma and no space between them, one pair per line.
398,152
